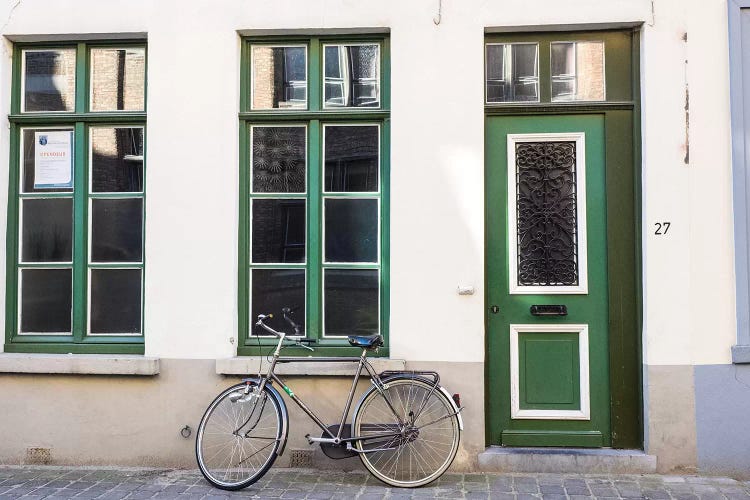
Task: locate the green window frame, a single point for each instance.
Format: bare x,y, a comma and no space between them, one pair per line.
85,335
315,116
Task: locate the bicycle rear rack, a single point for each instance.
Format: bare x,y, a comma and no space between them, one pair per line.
390,373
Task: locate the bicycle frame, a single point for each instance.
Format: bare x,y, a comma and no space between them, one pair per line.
337,439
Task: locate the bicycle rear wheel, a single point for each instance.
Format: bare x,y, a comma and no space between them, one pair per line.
426,427
238,437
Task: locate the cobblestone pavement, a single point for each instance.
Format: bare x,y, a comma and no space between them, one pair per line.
114,483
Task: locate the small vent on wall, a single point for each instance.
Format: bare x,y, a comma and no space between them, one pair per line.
301,458
38,456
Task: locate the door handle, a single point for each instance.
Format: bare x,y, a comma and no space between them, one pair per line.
549,310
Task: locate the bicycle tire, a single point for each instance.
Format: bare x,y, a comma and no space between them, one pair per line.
420,453
233,460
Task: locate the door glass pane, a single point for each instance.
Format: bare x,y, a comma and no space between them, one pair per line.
351,230
115,301
46,300
351,158
546,200
273,290
278,159
352,75
49,80
52,150
278,232
47,230
116,159
577,71
279,77
117,230
351,302
512,72
118,79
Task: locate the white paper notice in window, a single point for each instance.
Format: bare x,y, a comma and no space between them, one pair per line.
53,159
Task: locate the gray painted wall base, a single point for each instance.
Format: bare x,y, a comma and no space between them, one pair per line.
499,459
722,409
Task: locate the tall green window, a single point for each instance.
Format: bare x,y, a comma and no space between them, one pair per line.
314,161
76,198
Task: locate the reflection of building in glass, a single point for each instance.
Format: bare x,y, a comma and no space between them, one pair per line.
49,80
279,77
117,78
351,75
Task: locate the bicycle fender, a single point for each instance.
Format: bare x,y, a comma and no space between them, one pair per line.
282,407
422,379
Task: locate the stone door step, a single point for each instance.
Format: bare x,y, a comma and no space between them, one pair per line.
577,460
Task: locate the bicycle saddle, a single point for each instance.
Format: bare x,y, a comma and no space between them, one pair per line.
366,341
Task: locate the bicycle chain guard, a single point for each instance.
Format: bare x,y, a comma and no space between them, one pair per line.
337,451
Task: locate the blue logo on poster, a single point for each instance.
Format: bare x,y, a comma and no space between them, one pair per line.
43,140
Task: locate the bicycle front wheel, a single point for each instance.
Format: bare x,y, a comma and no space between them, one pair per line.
418,428
238,437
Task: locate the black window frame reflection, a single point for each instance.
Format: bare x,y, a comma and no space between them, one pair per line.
324,159
135,158
22,90
510,78
288,83
346,81
90,77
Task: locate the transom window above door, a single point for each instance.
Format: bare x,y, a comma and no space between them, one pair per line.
556,68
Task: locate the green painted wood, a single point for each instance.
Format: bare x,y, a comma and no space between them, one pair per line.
80,230
11,246
576,439
64,348
591,309
79,121
618,47
314,86
315,118
549,371
328,115
120,118
315,233
624,286
621,111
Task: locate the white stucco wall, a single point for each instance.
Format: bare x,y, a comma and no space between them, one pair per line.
437,175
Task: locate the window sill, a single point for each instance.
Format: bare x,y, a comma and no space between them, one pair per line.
248,365
740,354
79,364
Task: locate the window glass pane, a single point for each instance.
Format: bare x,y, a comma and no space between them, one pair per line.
116,159
273,290
351,158
278,159
512,72
47,230
49,80
577,71
278,232
46,300
279,77
352,75
351,302
117,230
115,301
351,230
53,150
118,79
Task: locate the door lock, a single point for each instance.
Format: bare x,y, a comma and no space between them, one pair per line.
494,309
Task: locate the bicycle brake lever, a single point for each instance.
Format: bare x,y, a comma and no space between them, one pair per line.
300,344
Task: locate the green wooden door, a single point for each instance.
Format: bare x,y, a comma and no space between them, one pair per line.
547,320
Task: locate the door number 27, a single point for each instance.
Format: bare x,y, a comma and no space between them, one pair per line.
661,228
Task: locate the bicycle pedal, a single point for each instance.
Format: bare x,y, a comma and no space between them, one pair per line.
309,441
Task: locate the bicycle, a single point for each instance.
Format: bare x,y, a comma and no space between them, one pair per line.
405,428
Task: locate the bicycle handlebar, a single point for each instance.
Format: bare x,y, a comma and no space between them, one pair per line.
297,328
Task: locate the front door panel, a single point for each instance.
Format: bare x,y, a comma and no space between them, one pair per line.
548,374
